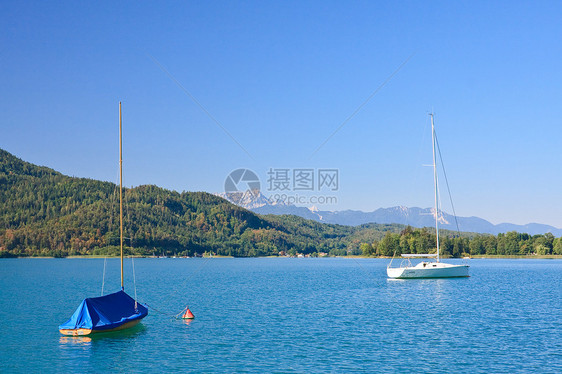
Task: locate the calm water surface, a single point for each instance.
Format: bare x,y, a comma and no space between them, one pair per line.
287,316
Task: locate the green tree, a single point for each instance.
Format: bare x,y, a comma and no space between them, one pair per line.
366,249
476,246
557,248
390,244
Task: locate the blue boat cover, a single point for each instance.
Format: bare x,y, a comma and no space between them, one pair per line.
105,312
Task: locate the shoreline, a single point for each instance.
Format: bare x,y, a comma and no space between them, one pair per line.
475,257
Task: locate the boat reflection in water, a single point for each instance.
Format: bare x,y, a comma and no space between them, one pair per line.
75,340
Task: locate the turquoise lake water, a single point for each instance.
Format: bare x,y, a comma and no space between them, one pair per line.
287,315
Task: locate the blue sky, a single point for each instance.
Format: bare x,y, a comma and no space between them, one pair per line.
281,77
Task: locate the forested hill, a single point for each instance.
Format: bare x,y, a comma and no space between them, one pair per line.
43,212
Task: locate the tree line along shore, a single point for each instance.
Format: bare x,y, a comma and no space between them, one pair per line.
45,213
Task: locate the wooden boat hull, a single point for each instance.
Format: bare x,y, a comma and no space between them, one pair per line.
84,332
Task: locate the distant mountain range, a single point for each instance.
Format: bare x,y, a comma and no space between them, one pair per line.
415,217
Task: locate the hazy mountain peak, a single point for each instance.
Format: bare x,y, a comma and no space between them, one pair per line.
414,216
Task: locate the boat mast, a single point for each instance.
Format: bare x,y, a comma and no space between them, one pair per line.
121,190
435,185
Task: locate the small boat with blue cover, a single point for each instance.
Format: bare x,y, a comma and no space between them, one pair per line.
116,311
113,312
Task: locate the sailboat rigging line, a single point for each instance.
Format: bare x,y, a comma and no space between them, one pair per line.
134,280
181,288
111,211
110,225
129,230
439,204
216,121
103,277
358,109
130,238
163,313
374,280
447,183
193,274
176,316
183,310
394,254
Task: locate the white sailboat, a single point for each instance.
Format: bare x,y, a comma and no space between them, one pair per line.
428,269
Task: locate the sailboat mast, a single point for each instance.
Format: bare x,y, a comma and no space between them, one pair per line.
435,185
121,190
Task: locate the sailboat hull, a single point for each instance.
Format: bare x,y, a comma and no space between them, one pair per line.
429,270
85,332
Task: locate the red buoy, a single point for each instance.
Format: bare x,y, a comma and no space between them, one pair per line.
187,314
